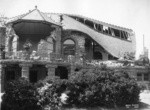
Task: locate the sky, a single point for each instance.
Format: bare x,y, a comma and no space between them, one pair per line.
133,14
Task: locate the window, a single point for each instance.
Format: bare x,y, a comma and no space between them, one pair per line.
146,77
105,30
69,47
122,35
139,76
127,36
97,56
10,75
81,20
89,23
99,28
33,76
115,32
61,72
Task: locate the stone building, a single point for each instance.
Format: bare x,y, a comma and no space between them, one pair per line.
37,45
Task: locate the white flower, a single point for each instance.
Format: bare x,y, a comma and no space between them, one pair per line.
45,87
63,98
1,94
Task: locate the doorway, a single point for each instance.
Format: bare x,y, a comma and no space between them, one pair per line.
62,72
33,76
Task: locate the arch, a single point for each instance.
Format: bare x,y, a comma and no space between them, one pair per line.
69,42
69,47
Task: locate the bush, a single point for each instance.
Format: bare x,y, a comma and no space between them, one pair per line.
98,87
20,95
85,88
50,92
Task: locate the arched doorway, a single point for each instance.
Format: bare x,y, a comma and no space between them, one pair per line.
69,47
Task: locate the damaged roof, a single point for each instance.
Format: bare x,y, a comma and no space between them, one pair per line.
112,45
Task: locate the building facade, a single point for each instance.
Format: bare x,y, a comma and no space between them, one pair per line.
37,45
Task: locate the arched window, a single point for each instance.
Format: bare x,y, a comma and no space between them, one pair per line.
69,47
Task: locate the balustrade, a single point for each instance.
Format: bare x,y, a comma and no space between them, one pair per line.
55,57
52,57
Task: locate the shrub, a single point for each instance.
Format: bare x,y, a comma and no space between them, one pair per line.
50,92
85,88
94,87
102,87
20,95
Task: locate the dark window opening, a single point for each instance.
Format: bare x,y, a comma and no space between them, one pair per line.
125,35
62,72
89,23
105,30
69,47
96,26
10,75
100,28
109,31
73,17
146,77
57,71
33,76
115,32
122,35
97,55
139,76
81,20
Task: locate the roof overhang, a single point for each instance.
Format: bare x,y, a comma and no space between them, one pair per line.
34,16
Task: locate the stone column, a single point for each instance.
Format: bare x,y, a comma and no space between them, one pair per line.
81,48
104,56
89,49
2,35
81,44
2,77
56,34
71,69
51,70
25,70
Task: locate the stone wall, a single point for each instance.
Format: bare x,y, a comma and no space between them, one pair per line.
2,35
84,45
79,42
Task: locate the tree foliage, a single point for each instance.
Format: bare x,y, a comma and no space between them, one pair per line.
85,88
97,87
20,95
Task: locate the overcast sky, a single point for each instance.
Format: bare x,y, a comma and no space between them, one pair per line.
133,14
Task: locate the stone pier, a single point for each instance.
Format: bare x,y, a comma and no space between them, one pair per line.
51,70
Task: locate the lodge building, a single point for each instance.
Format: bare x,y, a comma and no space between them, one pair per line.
37,45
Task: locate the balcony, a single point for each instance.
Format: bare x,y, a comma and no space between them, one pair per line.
44,57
